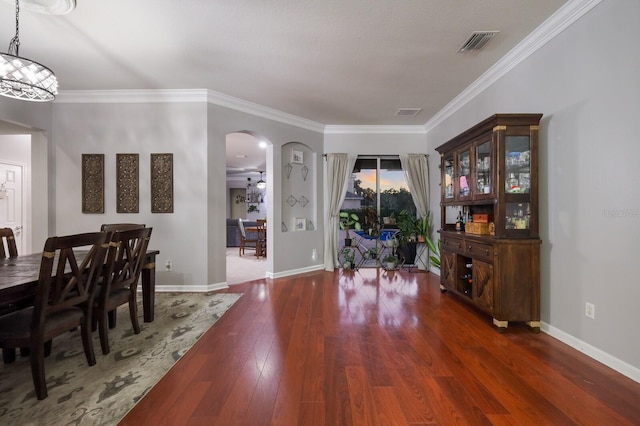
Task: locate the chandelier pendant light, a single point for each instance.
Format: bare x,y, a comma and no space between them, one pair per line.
261,184
22,78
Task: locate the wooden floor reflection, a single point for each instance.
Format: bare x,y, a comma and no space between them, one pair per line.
372,347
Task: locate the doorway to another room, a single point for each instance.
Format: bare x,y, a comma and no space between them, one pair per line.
246,162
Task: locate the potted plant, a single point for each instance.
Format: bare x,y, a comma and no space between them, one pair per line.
390,261
348,220
371,253
434,258
407,224
349,256
423,226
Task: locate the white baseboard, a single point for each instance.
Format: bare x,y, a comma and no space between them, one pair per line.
190,288
591,351
295,271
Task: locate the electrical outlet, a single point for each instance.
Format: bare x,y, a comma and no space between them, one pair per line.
167,265
314,254
590,310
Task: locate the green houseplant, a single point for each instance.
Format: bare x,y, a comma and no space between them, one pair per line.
390,261
348,220
349,256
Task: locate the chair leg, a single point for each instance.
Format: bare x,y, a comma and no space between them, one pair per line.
112,318
133,313
103,331
37,371
87,340
47,348
8,355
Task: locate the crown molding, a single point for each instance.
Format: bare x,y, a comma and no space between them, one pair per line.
130,96
185,95
230,102
391,129
554,25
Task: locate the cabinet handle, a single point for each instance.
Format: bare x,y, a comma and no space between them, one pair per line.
486,252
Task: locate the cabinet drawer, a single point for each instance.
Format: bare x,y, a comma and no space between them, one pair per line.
479,250
453,245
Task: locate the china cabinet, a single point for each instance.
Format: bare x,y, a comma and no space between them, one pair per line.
490,248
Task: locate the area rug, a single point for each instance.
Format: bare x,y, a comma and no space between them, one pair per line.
104,393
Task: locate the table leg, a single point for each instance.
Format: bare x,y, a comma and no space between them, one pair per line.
149,290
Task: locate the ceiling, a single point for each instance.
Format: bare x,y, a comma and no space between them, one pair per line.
335,62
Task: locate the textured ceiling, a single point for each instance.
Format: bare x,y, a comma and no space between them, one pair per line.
335,62
338,62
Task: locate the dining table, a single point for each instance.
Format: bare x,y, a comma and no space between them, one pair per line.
19,278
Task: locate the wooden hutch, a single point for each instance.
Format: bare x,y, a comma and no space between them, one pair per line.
491,258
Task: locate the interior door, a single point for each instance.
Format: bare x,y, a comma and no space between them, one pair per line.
11,180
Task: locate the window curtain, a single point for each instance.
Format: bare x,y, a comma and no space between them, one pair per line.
416,172
339,169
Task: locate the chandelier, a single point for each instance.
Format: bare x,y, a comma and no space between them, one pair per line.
22,78
261,184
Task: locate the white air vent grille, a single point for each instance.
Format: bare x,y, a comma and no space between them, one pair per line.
408,112
477,40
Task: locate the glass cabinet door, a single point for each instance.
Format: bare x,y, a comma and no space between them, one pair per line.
448,177
464,173
517,215
517,165
483,168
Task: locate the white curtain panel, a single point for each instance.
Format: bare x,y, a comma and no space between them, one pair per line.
339,169
416,172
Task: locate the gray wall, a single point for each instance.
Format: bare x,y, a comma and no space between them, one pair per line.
586,83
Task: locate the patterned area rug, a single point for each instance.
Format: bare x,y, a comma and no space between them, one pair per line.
104,393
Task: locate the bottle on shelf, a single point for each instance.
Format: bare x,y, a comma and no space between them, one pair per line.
459,221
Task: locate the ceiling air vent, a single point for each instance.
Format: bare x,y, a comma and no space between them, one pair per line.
477,40
408,112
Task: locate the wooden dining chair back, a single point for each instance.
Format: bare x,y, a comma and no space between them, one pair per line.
112,227
63,301
7,243
262,237
245,242
119,283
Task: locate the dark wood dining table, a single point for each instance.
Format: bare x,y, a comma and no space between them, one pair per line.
19,278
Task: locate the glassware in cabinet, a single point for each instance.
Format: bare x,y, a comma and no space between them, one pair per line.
464,174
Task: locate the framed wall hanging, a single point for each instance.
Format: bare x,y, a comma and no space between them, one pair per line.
127,183
297,157
161,183
92,183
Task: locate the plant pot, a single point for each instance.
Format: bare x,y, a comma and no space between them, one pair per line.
390,265
407,253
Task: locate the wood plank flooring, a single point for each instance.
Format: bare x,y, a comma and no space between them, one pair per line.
378,348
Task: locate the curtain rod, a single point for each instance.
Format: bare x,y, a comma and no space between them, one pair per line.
384,157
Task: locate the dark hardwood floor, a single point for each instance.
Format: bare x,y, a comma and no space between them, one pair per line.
378,348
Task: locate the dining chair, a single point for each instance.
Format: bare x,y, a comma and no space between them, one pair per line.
63,301
119,282
245,243
112,227
262,237
7,239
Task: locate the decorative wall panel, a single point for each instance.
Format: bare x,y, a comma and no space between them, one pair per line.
127,175
161,183
92,183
